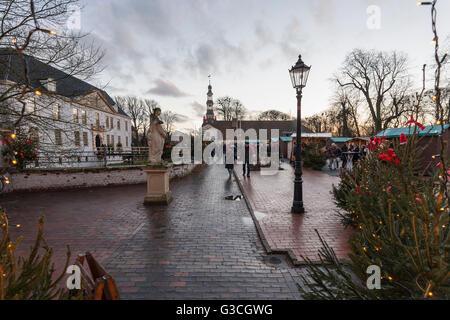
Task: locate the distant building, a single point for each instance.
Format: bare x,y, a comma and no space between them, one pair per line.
286,127
68,117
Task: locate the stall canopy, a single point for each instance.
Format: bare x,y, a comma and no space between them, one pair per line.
314,135
435,130
340,140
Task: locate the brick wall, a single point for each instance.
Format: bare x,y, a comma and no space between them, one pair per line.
66,179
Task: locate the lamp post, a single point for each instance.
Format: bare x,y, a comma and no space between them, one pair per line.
299,76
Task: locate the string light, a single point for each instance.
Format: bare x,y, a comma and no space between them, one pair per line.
14,162
390,278
430,294
13,135
14,41
438,123
18,226
37,92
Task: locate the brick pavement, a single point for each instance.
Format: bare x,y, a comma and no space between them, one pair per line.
270,199
199,247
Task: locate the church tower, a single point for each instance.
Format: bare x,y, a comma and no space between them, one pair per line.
210,118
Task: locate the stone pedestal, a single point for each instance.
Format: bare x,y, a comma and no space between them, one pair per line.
158,192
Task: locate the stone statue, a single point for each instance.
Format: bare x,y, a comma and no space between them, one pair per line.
156,138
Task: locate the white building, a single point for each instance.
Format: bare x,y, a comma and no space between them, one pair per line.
71,119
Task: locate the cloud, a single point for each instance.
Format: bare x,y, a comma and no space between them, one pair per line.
166,88
218,56
263,36
181,118
199,109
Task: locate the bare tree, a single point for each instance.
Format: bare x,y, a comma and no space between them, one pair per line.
381,78
34,44
135,108
238,110
273,115
223,106
229,108
169,118
37,28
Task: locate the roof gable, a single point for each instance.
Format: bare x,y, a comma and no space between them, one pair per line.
11,68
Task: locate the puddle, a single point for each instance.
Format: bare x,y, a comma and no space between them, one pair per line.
247,221
274,261
259,215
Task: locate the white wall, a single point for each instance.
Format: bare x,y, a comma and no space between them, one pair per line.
58,179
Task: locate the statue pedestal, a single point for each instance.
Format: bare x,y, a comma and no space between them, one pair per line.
158,192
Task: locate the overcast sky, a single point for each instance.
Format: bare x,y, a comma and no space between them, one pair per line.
165,49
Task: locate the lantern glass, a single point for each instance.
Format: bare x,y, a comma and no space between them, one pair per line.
299,74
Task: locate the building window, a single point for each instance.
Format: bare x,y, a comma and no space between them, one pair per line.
58,137
97,120
107,122
30,107
118,124
75,115
112,142
119,143
77,138
126,125
50,85
85,139
111,122
34,135
108,140
56,111
83,117
126,140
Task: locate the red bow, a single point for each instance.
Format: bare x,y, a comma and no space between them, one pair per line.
390,156
412,121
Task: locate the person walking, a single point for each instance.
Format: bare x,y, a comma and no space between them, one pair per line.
344,156
229,163
249,151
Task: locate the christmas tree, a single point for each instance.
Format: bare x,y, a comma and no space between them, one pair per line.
31,277
402,222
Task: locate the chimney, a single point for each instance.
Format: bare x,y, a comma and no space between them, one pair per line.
234,123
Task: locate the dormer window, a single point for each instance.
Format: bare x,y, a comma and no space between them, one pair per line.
50,85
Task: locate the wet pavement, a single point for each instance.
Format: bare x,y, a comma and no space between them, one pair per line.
201,246
270,198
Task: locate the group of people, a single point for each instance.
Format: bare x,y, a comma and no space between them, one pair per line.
249,153
335,153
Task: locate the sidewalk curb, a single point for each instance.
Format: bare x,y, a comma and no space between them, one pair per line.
269,250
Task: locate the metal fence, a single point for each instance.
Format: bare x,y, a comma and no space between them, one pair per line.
102,157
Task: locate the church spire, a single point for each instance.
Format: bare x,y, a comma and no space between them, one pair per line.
210,103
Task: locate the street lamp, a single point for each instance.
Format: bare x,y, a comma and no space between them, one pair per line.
299,76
